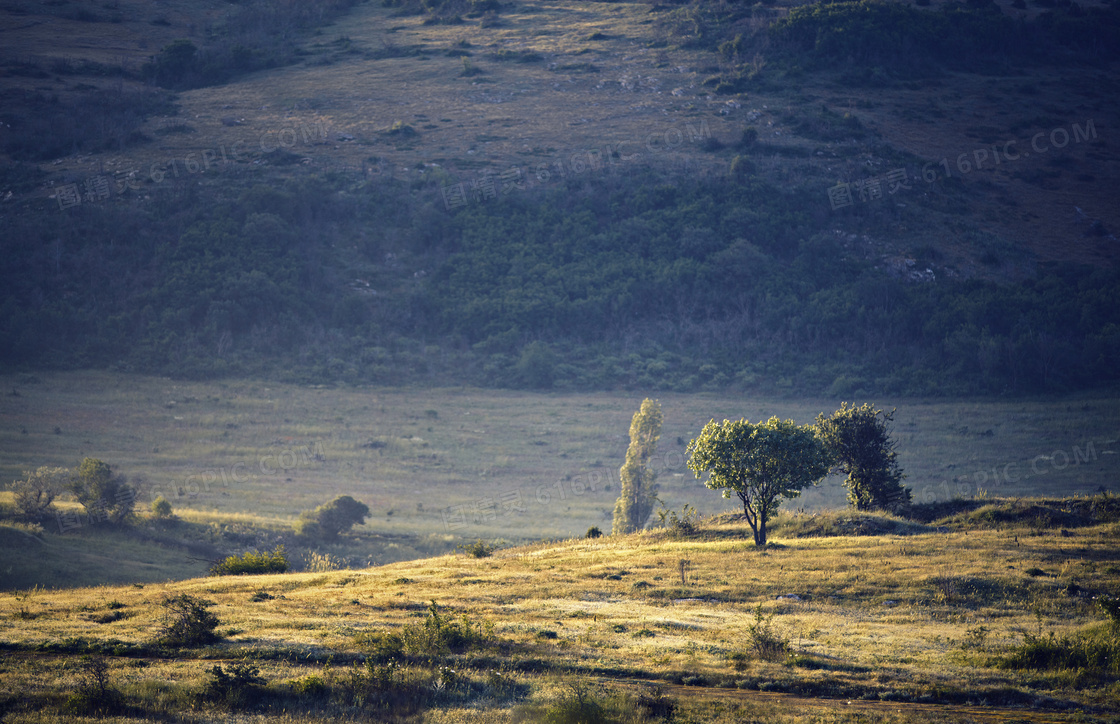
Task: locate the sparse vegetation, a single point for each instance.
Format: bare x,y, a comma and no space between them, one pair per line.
794,620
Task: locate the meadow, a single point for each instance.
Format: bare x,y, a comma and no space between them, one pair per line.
240,460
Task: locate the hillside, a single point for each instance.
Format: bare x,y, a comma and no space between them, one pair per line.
565,195
987,617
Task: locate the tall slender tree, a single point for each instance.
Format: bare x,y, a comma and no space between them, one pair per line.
639,481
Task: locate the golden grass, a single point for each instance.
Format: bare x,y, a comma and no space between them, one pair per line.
875,613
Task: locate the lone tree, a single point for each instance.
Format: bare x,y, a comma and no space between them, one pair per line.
106,496
761,463
859,442
331,519
639,481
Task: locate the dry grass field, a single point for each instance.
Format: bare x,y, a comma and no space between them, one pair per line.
898,628
272,450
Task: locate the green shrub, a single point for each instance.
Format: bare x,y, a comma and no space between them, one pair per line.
1111,608
439,635
253,562
586,703
188,622
311,686
594,532
683,525
1098,653
478,549
95,696
161,508
240,685
435,637
381,645
766,643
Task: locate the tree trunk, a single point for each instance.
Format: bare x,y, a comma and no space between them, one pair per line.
754,523
760,535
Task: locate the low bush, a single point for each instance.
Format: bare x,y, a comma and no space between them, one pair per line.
766,643
684,525
435,637
586,703
253,562
95,695
240,684
161,508
478,549
1094,652
188,622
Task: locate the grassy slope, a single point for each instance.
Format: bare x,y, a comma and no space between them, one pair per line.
882,618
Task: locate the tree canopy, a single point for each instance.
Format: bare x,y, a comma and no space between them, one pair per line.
761,463
859,442
333,518
36,491
105,495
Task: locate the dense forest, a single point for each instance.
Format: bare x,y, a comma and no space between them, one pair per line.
616,281
633,277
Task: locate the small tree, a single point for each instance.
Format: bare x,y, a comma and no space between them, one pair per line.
105,496
331,519
37,490
639,482
859,442
761,463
